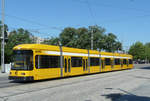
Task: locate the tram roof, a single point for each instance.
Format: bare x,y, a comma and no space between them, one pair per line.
65,49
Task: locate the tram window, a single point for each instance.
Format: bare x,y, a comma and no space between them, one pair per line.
130,61
23,60
65,65
68,65
124,61
94,62
86,64
117,61
45,61
76,61
107,61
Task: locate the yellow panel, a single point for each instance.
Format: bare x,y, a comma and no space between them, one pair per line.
76,71
21,73
116,67
130,66
94,69
107,68
47,73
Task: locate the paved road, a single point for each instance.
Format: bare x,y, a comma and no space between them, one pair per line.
4,82
128,85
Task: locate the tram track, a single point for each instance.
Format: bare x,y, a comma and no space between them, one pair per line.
66,84
4,82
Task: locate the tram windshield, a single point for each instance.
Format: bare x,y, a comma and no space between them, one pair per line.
23,60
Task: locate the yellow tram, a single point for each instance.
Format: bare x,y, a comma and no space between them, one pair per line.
39,61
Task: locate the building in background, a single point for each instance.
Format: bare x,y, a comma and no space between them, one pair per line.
38,40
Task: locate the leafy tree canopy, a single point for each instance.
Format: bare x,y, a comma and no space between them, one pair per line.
81,38
16,37
137,50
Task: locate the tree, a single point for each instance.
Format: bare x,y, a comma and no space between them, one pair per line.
81,38
98,36
111,44
5,29
16,37
51,41
147,51
137,50
118,45
68,37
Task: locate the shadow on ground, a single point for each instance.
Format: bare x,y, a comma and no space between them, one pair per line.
125,96
145,68
140,77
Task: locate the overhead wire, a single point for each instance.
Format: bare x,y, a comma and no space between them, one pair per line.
33,22
35,31
91,12
111,6
32,31
127,19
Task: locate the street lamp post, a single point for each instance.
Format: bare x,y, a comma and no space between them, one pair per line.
92,39
2,41
61,58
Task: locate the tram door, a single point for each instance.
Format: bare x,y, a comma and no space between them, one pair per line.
112,63
67,65
85,65
102,64
121,63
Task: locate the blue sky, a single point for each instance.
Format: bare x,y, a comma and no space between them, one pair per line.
128,19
